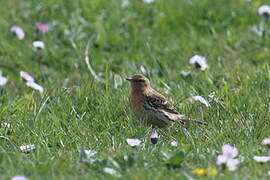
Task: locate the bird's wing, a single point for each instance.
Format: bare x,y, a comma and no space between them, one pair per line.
157,101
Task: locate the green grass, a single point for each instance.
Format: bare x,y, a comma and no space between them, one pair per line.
77,112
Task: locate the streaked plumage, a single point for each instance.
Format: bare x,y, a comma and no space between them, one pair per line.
150,106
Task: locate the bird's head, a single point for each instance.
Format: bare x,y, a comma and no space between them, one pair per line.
139,82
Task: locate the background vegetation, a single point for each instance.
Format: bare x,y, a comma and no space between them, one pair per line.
77,112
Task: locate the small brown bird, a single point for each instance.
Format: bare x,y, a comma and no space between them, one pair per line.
150,106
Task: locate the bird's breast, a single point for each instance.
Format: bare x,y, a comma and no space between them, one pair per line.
136,103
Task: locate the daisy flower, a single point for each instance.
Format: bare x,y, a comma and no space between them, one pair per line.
174,143
264,11
27,148
133,142
266,141
38,44
228,156
154,137
18,31
199,62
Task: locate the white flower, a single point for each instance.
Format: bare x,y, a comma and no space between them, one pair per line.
268,173
154,135
229,151
174,143
266,141
232,164
3,80
111,171
202,100
18,31
221,159
38,44
89,153
5,125
27,148
125,3
264,10
199,62
19,178
133,142
35,86
26,76
261,159
148,1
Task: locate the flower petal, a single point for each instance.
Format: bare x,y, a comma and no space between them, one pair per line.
26,76
221,159
202,100
111,171
42,27
5,125
38,44
35,86
3,80
229,151
133,142
266,141
148,1
264,10
27,148
232,164
18,31
89,153
154,137
261,159
174,143
18,177
199,62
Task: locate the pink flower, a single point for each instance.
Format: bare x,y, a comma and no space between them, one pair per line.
261,159
42,27
174,143
266,141
229,151
133,142
26,76
227,157
154,137
18,31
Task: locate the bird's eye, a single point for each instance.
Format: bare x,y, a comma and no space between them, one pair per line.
140,80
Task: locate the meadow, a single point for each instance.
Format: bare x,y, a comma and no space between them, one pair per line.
89,49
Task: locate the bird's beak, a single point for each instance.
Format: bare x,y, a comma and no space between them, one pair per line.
128,79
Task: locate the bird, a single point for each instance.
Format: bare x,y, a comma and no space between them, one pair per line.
152,108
